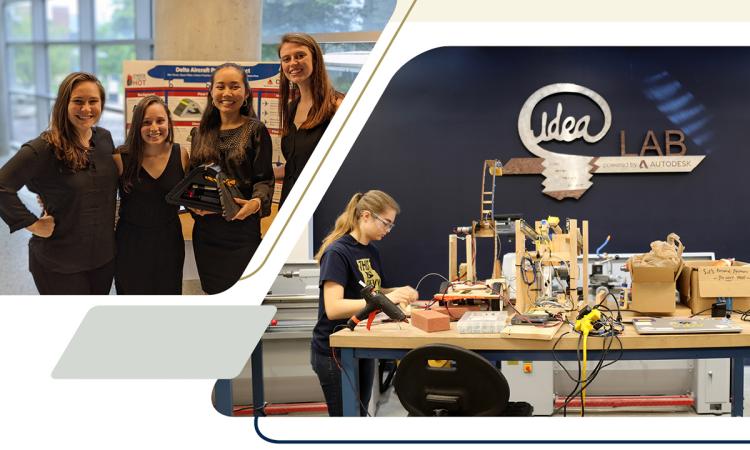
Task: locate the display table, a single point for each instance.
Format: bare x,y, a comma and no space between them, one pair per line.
393,341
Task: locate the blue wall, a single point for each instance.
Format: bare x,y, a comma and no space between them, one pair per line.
448,110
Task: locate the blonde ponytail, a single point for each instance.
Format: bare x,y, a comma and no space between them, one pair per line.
374,201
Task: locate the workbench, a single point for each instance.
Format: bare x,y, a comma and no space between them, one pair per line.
394,340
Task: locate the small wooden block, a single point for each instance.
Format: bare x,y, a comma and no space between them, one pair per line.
429,320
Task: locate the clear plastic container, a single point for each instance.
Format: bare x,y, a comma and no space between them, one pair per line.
480,322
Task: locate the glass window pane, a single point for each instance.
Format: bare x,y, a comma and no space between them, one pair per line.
344,61
109,60
115,19
18,20
63,59
23,118
21,67
283,16
62,19
115,122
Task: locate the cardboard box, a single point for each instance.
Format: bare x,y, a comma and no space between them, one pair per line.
702,282
653,289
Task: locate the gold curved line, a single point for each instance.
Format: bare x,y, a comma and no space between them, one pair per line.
328,151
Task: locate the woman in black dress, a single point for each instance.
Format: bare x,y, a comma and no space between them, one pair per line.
70,167
231,139
308,101
150,247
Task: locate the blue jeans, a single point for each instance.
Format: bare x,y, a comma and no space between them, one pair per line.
329,375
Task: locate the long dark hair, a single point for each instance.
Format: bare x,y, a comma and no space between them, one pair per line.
134,144
60,133
204,148
324,95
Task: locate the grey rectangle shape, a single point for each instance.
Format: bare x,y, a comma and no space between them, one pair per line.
164,342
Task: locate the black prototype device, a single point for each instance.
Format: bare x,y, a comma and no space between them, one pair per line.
207,189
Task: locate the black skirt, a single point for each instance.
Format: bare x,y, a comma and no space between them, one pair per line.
223,249
149,260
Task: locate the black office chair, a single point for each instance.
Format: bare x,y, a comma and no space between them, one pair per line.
467,385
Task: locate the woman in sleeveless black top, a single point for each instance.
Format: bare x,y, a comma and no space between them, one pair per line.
308,101
150,246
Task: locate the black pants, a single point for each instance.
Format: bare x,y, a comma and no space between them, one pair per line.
330,380
96,281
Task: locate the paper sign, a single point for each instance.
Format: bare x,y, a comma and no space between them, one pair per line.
724,281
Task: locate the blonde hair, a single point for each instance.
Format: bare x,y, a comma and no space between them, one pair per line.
375,201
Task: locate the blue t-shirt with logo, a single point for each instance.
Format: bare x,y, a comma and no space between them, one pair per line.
345,262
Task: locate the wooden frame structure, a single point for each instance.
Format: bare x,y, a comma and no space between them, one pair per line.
552,246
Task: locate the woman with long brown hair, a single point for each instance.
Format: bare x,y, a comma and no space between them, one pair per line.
150,246
347,256
231,138
70,167
308,102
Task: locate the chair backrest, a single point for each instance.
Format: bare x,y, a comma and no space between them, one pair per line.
467,384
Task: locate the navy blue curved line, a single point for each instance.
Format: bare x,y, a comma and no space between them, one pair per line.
497,441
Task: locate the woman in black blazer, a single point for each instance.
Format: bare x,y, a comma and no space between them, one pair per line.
70,167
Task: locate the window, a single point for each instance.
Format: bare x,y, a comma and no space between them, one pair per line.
115,19
62,59
17,17
62,20
21,67
57,37
346,30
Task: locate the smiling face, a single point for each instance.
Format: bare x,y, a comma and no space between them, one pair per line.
374,226
155,125
84,107
296,62
228,90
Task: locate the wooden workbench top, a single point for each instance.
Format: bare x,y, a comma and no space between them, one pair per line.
404,336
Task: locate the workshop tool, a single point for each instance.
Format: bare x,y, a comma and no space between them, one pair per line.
376,302
588,320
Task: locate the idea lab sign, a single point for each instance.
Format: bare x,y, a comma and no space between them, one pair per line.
569,176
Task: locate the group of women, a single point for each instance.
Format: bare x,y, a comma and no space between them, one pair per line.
78,248
74,168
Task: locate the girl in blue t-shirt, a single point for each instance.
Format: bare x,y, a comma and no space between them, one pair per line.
346,257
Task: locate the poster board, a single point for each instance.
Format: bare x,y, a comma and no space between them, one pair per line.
183,85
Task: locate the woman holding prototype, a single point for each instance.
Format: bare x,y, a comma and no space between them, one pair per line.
231,139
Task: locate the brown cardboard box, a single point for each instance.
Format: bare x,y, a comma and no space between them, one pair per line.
653,289
701,283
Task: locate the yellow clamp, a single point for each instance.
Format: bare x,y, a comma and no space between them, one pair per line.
585,325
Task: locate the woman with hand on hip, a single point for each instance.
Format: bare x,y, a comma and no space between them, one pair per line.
347,256
232,138
308,101
70,167
150,246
